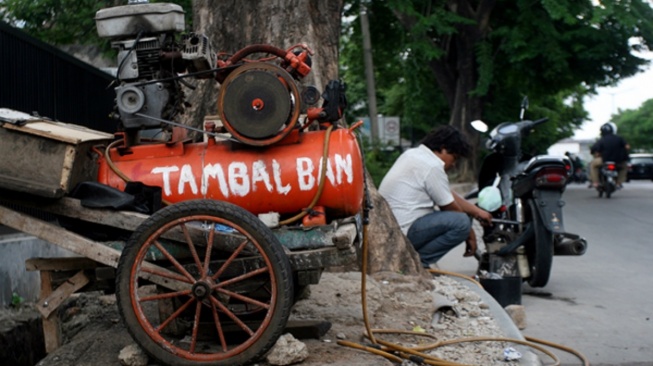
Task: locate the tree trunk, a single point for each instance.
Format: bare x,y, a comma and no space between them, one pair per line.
456,72
232,25
388,248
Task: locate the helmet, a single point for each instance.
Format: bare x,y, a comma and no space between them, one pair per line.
607,129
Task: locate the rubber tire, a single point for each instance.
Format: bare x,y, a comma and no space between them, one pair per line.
609,189
539,250
250,224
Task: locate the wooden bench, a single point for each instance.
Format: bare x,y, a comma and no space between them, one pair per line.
60,278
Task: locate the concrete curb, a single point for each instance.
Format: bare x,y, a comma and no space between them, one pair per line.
505,323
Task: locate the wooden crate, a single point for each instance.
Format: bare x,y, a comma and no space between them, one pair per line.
45,158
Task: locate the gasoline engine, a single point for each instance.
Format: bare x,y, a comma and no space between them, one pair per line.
271,149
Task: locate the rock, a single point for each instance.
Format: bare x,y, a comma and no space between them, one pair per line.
400,257
107,300
287,351
133,355
518,315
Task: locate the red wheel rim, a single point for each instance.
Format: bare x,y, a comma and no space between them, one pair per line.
209,291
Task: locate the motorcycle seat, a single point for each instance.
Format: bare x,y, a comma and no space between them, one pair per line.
541,160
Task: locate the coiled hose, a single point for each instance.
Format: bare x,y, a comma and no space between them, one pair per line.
397,353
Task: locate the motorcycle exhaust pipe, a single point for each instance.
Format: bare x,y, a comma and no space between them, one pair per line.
570,247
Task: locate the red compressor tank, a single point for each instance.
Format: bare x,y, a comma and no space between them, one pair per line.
281,178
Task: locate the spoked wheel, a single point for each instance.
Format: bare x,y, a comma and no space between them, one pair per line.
204,283
539,251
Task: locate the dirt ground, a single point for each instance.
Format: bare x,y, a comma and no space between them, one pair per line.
94,333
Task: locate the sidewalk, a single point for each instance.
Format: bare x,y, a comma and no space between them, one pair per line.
505,323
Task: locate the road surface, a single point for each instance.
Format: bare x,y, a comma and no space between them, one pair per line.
601,303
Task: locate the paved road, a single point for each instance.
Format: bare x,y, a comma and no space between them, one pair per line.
600,304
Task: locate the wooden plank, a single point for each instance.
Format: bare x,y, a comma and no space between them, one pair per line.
56,235
85,247
59,264
71,207
51,303
65,132
51,326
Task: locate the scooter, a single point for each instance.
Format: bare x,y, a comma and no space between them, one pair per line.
524,196
607,179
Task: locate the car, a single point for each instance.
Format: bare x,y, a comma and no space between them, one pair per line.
640,166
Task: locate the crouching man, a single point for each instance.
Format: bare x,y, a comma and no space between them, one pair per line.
433,217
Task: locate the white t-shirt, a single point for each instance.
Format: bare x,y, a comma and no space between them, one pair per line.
414,185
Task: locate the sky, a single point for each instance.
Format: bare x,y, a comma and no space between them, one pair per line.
630,93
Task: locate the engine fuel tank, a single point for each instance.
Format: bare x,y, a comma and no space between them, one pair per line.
281,178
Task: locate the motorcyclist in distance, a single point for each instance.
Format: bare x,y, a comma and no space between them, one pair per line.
610,147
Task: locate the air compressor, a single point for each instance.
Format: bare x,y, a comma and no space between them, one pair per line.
270,148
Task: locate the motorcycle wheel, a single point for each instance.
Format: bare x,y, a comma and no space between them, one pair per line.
539,251
609,190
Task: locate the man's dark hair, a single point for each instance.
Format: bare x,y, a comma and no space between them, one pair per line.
449,138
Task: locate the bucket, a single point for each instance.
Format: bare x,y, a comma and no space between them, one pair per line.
506,291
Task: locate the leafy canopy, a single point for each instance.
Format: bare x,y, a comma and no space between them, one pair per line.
636,126
64,22
556,52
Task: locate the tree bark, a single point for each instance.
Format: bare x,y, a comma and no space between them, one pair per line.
232,25
388,248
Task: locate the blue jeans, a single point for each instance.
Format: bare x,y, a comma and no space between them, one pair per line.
435,234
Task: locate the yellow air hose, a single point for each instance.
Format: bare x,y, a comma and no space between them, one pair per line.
320,187
397,353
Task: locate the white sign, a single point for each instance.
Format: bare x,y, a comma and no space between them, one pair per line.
389,130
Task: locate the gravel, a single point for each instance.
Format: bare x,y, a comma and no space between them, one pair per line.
94,335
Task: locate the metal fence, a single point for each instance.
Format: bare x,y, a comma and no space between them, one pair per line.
37,77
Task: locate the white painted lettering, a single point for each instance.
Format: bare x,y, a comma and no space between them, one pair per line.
260,174
329,172
165,172
187,177
238,179
344,165
305,176
276,173
215,172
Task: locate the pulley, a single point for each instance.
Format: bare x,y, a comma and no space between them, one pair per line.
259,103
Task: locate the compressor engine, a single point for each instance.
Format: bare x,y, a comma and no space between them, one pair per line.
149,60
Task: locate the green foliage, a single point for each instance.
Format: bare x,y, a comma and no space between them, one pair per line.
55,21
636,126
378,160
16,300
62,22
404,82
554,51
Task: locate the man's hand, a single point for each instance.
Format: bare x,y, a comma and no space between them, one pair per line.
484,217
470,244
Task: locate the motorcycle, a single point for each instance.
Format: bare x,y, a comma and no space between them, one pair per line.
607,179
524,196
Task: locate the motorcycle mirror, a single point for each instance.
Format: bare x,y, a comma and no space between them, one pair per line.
479,126
524,107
